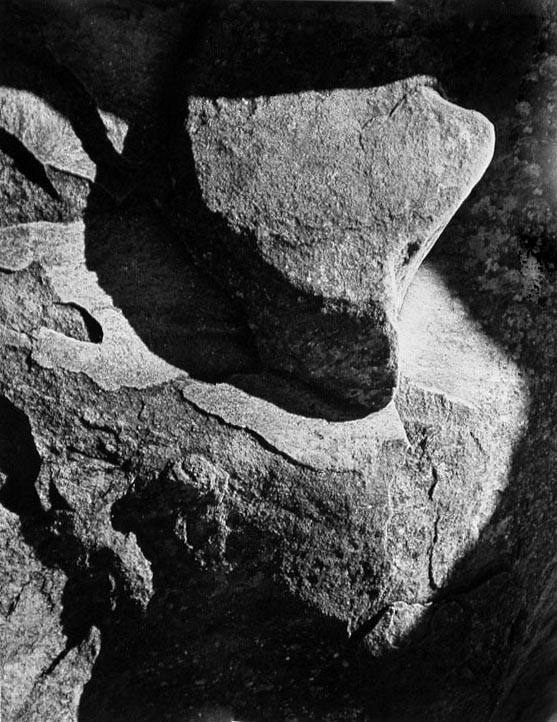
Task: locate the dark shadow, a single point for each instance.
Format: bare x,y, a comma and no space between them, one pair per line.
19,462
26,162
207,336
29,64
193,323
289,58
85,594
254,638
286,57
158,287
284,53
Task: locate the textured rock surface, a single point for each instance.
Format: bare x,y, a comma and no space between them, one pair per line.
48,136
238,559
243,488
42,674
331,201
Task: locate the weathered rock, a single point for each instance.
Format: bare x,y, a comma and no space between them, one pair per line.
222,545
50,124
41,677
49,136
245,490
330,201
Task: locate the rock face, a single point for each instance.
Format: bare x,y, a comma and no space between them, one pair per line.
176,544
331,201
49,136
237,485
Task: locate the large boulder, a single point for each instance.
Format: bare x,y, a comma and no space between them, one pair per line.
325,204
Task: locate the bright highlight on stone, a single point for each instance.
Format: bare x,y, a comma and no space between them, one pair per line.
330,202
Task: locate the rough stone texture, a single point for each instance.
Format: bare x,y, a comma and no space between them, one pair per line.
246,488
331,201
41,675
50,122
48,136
534,152
241,560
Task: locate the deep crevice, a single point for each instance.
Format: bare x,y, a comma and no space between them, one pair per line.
19,461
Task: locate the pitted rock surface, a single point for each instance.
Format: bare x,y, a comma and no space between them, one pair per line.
331,200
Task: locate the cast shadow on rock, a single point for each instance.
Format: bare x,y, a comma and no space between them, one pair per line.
213,629
119,280
176,306
206,333
85,592
452,623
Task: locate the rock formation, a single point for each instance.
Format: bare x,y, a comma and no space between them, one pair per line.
188,533
331,200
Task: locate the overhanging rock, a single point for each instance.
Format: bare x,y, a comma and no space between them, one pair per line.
322,205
